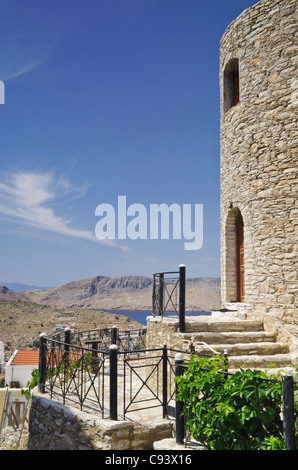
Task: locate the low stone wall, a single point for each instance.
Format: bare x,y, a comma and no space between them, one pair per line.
162,330
53,426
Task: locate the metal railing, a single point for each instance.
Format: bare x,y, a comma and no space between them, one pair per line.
102,338
73,367
168,295
95,379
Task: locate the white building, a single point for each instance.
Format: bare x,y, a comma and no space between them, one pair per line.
19,367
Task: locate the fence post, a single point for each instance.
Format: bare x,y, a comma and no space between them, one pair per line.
288,411
114,335
42,363
180,426
153,295
161,293
182,298
164,380
225,367
113,382
67,343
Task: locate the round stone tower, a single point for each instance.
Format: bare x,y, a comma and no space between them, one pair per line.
259,161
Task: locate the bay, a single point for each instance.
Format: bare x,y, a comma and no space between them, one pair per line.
141,315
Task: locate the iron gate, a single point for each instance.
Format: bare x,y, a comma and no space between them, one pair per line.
168,294
155,375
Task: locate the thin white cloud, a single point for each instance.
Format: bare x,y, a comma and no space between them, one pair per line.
27,38
25,197
20,55
10,71
28,198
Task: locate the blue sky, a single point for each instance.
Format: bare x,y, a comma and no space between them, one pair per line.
106,98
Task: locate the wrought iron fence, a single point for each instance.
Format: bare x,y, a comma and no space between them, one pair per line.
155,377
102,338
73,374
74,366
168,295
165,293
94,379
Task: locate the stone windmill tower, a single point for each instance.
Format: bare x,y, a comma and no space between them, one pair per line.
259,161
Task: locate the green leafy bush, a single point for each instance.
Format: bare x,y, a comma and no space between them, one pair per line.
30,384
234,412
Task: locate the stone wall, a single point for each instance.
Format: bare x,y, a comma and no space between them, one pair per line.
14,439
53,426
259,158
160,332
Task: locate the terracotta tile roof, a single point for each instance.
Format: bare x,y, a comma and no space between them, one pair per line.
26,357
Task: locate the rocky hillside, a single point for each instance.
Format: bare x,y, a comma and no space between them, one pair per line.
126,292
22,322
7,295
23,319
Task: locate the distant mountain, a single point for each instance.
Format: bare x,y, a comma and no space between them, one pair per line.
17,287
7,295
126,292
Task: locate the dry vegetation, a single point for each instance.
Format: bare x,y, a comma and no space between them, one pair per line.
22,322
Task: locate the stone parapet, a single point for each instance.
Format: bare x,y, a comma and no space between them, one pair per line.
54,426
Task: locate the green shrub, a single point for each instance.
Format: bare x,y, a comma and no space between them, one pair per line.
234,412
30,384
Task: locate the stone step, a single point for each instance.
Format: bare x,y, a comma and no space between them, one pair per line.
237,306
260,362
223,325
231,337
247,343
240,349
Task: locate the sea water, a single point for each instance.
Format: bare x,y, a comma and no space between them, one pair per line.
141,315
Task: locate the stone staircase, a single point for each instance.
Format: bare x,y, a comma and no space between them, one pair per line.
248,343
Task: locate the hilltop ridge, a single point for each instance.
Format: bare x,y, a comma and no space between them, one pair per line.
8,295
124,292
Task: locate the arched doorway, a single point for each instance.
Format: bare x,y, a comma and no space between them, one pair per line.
240,257
233,257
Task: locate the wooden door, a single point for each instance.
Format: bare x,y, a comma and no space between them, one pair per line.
240,257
